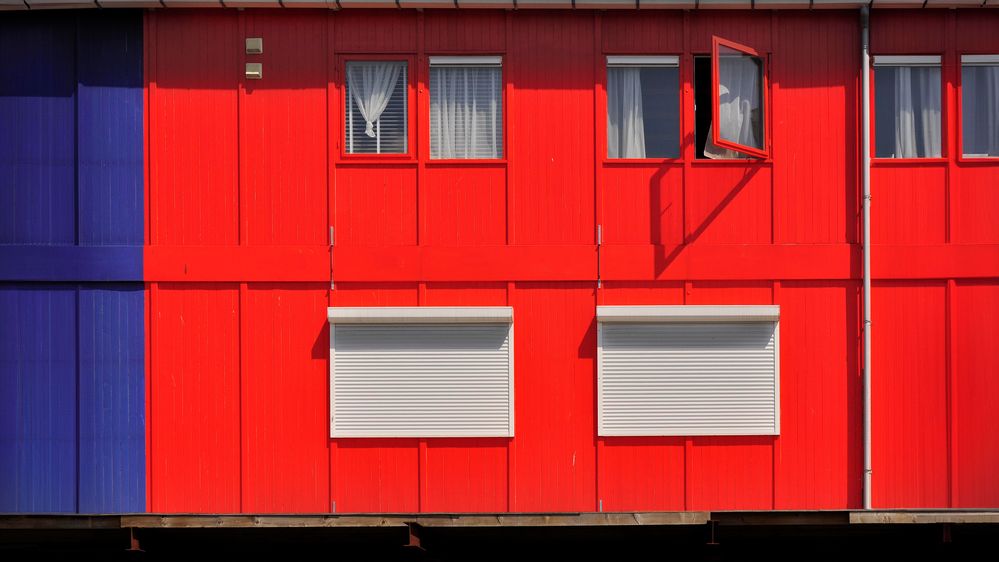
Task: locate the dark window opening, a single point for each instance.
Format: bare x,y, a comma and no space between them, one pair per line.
702,103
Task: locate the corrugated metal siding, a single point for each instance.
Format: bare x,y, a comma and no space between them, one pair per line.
412,232
71,353
687,378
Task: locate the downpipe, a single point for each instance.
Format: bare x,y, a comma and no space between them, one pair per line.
865,173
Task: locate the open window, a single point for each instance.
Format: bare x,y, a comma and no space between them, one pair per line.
736,127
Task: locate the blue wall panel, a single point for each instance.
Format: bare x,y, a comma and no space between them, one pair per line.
112,399
72,390
110,128
38,398
37,129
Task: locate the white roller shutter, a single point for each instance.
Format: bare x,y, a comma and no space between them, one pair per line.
421,378
688,371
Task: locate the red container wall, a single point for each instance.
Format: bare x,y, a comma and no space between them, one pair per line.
247,176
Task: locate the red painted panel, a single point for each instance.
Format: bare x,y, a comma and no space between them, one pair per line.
285,428
551,66
555,408
910,204
463,31
466,474
641,473
730,205
909,417
283,130
375,475
815,163
642,204
748,28
975,203
907,32
355,31
465,205
375,205
976,31
821,449
730,472
653,33
193,128
976,395
194,454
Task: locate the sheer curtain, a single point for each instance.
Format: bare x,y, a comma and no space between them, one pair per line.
917,112
371,85
466,119
625,117
739,96
980,107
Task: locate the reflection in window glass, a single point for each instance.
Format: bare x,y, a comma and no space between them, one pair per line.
907,111
980,109
643,112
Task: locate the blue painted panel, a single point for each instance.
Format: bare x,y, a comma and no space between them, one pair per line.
38,398
37,129
70,263
110,127
112,399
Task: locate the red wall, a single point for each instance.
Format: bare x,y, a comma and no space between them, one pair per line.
245,177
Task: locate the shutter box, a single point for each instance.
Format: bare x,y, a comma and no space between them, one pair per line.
421,372
688,370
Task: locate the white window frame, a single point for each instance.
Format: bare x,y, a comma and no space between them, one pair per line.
404,315
687,314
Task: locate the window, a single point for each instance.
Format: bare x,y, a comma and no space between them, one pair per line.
466,107
907,106
688,370
730,102
421,372
642,100
980,106
376,107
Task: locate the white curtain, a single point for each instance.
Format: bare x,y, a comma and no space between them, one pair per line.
980,107
625,119
371,85
738,97
917,112
466,119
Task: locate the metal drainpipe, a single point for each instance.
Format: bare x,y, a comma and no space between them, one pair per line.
865,171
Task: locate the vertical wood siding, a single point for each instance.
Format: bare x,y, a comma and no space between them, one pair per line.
246,177
72,387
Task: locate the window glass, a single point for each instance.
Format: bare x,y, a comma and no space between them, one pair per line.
740,100
466,111
642,116
376,108
907,111
980,109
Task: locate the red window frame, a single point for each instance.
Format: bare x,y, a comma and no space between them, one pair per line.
411,108
716,138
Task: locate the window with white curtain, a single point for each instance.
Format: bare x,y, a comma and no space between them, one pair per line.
466,107
643,120
907,92
376,107
980,106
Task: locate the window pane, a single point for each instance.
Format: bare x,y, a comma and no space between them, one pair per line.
642,116
466,112
980,108
376,108
740,98
907,111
